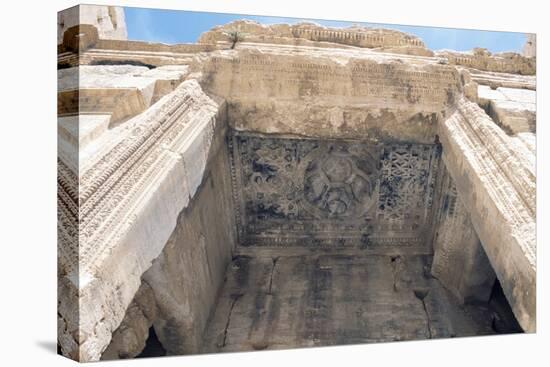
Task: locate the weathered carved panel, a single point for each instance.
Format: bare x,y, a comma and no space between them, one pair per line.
496,184
116,216
349,95
431,84
294,191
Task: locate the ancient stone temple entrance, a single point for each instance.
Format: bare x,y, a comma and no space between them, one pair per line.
334,248
310,186
336,241
334,244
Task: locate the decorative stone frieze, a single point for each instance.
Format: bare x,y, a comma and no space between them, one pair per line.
111,227
304,192
312,34
482,59
496,183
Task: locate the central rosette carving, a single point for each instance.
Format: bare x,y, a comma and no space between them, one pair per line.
338,183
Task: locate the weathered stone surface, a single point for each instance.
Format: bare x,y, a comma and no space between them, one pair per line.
495,80
81,130
187,277
128,339
497,186
335,190
119,235
459,261
108,20
470,85
513,109
317,193
312,34
322,299
182,284
344,93
122,91
482,59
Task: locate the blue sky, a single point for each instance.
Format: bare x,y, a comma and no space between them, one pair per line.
177,26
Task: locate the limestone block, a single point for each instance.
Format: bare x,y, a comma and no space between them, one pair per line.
67,151
513,109
497,187
459,261
78,38
116,91
187,275
482,59
470,86
344,93
129,338
129,201
495,80
102,89
109,20
167,78
81,130
406,50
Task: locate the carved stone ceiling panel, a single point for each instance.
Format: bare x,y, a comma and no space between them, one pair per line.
294,192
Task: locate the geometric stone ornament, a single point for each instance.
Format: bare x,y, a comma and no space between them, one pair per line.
307,192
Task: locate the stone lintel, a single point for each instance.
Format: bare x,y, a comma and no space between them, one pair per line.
343,93
497,187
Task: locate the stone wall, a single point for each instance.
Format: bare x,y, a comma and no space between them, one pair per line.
312,34
459,261
482,59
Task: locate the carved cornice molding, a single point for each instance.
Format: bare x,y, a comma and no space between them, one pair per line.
496,183
147,178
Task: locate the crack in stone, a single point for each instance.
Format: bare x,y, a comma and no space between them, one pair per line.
235,298
395,265
275,259
421,295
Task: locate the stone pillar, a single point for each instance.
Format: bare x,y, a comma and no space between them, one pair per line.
459,262
496,184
